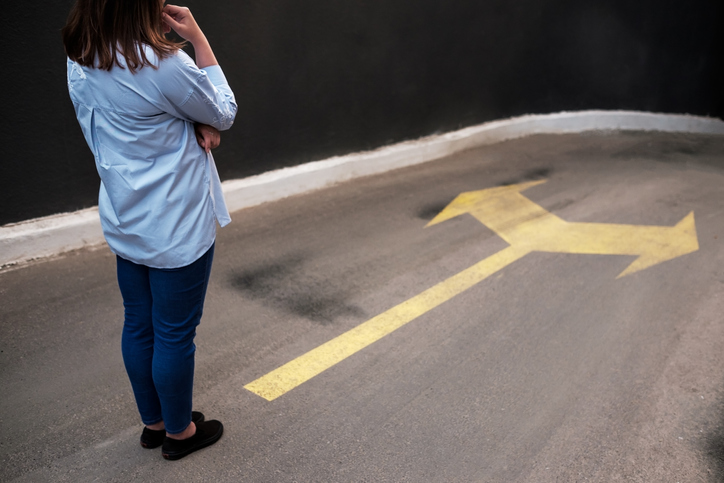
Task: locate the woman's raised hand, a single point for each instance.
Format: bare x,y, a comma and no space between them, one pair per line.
182,22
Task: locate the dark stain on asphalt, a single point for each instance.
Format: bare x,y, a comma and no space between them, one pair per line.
673,147
430,211
714,446
286,285
530,175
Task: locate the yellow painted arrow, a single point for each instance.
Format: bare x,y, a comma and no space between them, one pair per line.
527,227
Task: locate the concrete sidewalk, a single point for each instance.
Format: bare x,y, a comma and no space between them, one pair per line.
550,369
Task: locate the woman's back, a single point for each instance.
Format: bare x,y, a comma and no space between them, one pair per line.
154,202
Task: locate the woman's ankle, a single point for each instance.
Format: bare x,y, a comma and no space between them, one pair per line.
185,434
156,427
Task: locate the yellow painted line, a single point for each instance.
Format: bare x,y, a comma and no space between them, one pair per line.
305,367
527,227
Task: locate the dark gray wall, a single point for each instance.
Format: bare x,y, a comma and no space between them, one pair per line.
316,79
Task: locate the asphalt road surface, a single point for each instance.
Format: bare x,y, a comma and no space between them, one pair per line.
498,344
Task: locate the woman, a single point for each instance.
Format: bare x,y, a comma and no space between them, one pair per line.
150,115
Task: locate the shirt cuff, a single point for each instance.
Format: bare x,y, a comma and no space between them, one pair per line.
216,75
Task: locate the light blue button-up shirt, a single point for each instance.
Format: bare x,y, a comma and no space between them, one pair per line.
160,194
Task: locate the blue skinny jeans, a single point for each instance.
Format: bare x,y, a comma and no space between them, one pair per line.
162,309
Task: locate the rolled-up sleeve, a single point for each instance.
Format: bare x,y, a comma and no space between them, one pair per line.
198,95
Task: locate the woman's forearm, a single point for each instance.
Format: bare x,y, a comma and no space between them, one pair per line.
204,54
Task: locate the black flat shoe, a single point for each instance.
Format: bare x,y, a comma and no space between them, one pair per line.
153,438
207,433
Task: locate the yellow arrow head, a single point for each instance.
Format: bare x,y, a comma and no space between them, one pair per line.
468,201
679,240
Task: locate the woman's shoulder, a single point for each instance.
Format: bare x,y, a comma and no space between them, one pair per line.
176,60
168,70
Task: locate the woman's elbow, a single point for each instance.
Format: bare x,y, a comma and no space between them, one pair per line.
227,117
224,121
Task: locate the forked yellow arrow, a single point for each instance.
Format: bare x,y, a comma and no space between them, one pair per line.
527,227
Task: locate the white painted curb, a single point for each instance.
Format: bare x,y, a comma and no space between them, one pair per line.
52,235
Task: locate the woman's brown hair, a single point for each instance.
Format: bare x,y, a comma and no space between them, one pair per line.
98,30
